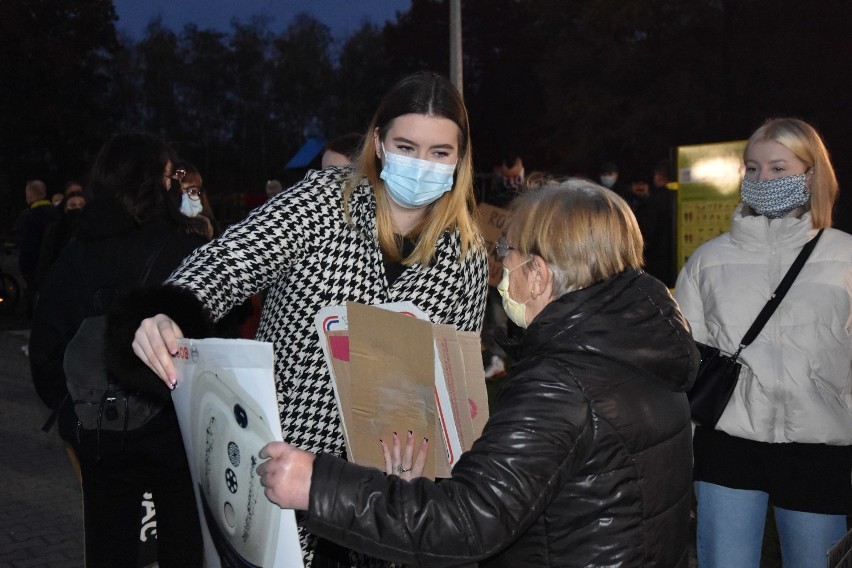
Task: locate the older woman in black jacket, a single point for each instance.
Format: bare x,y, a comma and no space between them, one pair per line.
586,458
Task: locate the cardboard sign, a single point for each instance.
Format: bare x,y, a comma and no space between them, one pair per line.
493,222
394,371
227,410
477,392
393,382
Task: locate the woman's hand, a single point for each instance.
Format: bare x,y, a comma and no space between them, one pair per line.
155,342
286,476
403,462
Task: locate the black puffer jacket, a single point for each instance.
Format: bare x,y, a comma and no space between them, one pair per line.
585,461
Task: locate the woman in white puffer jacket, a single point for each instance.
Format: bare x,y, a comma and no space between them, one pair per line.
784,438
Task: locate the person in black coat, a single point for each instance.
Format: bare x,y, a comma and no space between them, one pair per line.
32,224
130,231
586,457
654,206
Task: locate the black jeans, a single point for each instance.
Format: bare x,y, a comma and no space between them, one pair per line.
149,459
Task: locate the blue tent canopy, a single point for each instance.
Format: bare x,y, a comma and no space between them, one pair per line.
306,153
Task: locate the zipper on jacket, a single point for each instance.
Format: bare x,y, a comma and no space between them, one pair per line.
777,353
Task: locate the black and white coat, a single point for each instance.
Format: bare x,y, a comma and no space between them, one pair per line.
301,247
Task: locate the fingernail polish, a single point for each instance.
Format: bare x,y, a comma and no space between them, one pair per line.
410,433
382,442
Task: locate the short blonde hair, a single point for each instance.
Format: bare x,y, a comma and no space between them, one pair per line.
584,232
805,142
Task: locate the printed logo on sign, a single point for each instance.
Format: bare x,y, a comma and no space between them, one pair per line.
334,322
182,353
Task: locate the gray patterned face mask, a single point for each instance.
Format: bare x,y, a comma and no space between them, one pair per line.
774,198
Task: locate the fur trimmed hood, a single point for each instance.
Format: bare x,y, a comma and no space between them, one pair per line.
124,318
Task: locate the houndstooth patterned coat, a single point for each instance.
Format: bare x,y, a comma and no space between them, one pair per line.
300,245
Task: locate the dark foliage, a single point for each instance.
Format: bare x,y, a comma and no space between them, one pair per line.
567,85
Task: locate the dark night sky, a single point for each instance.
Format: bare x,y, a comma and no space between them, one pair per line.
342,16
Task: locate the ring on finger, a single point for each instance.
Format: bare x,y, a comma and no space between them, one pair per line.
400,469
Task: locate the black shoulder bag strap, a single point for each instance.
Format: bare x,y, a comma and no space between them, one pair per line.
778,294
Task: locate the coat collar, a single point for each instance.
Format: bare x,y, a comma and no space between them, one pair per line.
756,232
629,318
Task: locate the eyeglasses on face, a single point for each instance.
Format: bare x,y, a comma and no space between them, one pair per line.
178,175
502,248
193,192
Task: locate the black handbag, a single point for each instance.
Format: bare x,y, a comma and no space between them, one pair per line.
719,372
714,384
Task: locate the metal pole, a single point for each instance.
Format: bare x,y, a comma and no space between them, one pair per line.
456,45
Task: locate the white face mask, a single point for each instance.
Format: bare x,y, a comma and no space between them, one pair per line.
190,207
516,311
608,180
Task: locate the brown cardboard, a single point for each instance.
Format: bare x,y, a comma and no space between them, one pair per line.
452,363
392,371
477,393
392,367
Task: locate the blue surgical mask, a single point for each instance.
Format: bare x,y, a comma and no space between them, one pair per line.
413,183
190,207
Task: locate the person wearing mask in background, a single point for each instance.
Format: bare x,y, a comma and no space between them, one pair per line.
342,150
74,201
131,234
507,182
61,231
192,199
585,459
785,437
32,225
396,227
608,176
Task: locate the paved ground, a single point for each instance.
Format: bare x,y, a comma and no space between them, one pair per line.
41,513
41,516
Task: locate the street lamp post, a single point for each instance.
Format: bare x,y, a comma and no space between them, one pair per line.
456,45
